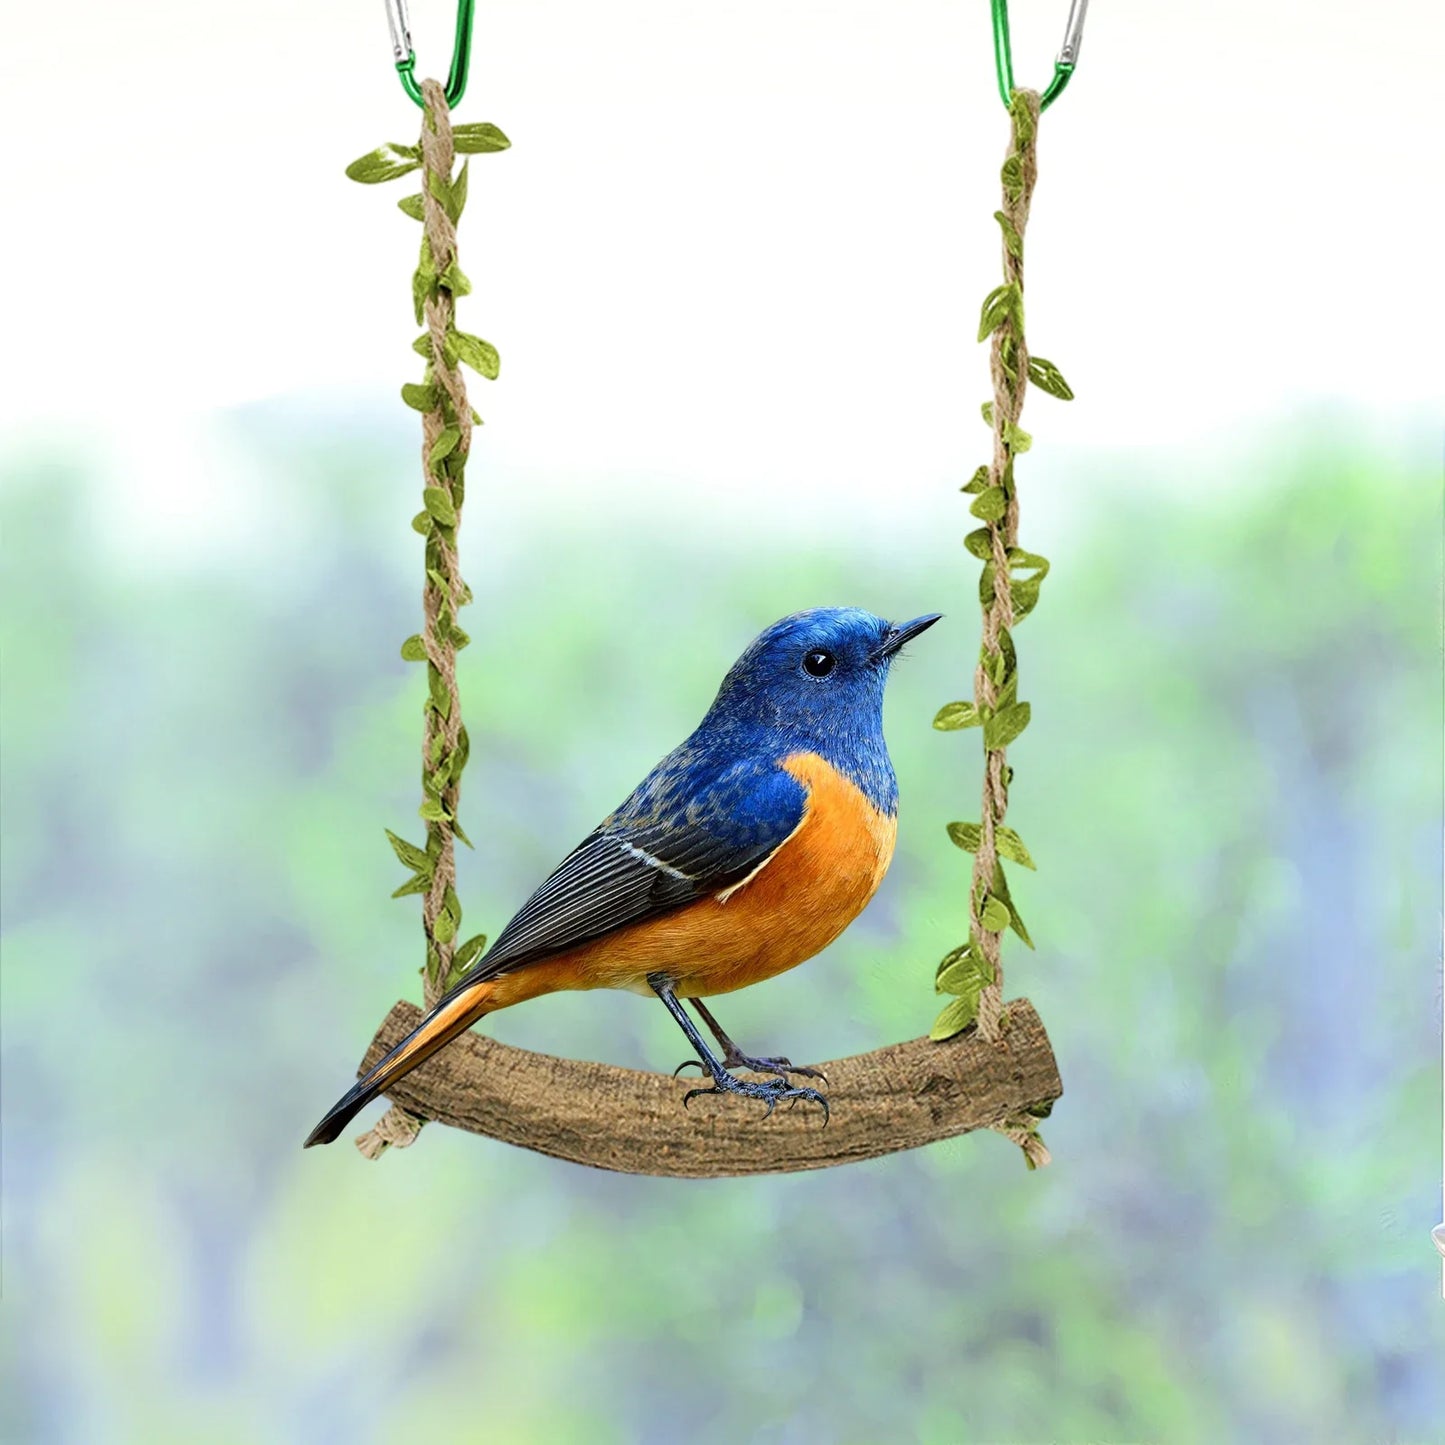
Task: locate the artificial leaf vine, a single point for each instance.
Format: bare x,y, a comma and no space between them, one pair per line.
447,421
1009,586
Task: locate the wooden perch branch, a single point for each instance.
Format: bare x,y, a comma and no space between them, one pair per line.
898,1097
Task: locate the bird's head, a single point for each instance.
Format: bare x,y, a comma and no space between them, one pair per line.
819,668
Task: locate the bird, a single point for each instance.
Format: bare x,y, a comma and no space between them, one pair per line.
747,850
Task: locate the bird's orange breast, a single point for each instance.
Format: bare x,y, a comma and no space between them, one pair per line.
810,888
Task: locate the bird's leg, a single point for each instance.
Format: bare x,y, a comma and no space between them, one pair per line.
735,1058
772,1090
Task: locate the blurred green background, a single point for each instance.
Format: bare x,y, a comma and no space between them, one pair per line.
1232,788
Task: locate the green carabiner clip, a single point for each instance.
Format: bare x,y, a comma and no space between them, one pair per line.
1068,56
401,49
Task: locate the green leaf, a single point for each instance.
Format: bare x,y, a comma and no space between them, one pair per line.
445,928
1025,590
980,543
995,915
480,355
1012,175
422,523
966,836
413,206
423,279
452,195
1017,924
456,201
464,957
455,280
417,883
468,951
977,482
1013,242
1047,377
437,687
1007,684
1002,667
1000,891
1008,355
1011,846
1023,120
1017,557
985,584
986,411
478,138
457,826
412,856
419,397
1005,725
1025,595
950,958
414,649
1016,439
1008,652
432,811
953,716
998,306
385,163
459,638
990,505
967,972
422,345
955,1017
444,446
439,503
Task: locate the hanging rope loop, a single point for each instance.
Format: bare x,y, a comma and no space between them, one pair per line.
400,26
1068,56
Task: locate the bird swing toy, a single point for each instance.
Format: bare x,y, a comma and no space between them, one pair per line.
716,848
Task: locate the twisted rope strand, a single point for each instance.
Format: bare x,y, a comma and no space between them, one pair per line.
440,603
1008,366
442,735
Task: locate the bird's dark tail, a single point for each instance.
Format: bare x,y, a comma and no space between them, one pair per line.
452,1016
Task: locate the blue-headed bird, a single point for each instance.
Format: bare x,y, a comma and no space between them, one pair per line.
746,850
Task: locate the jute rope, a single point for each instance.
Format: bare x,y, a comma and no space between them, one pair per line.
1008,365
443,749
1009,369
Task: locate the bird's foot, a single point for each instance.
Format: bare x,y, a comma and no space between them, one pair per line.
780,1065
774,1091
734,1060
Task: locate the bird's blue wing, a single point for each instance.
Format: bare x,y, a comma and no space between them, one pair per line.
688,830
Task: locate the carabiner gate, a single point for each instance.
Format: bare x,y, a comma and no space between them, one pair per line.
1068,56
396,19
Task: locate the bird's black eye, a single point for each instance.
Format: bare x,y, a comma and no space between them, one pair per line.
819,663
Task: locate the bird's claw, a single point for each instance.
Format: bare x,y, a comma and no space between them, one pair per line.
771,1091
697,1063
813,1097
780,1065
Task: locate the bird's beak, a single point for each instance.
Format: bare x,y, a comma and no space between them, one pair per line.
903,632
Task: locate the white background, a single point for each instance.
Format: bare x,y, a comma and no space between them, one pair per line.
735,248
